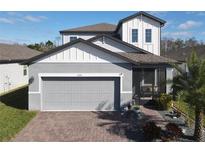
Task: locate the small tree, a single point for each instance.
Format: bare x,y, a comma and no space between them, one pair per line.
192,83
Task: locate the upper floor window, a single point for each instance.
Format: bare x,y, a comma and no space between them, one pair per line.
148,35
72,38
134,35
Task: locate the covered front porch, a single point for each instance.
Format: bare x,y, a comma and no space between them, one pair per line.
149,81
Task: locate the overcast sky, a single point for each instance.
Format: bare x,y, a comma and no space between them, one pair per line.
31,27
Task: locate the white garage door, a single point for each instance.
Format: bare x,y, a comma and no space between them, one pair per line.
80,93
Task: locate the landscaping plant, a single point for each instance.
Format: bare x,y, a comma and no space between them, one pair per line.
165,101
174,130
192,83
151,131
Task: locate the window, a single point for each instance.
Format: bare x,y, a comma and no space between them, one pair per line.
148,37
24,70
134,35
72,38
149,76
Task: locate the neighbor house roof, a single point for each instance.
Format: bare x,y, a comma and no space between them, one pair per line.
15,53
96,28
183,53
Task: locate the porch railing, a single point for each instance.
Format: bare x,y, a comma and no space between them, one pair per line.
149,91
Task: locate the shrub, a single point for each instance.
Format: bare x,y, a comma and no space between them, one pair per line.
151,131
128,106
135,107
165,101
174,130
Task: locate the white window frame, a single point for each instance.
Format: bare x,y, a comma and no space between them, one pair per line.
132,35
73,36
145,36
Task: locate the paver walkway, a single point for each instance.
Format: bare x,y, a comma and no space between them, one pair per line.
153,115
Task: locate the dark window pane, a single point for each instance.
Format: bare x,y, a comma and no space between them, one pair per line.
134,35
72,38
149,76
148,37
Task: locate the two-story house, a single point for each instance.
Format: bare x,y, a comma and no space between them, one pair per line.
101,67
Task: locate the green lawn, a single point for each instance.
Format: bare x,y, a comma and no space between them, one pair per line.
12,121
184,107
13,113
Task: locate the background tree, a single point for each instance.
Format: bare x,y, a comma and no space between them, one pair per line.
169,44
42,46
192,86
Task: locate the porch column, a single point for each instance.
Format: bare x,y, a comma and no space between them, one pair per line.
169,77
155,77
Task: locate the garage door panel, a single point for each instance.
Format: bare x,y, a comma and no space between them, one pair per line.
80,93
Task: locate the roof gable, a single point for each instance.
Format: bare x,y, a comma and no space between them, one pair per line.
63,47
162,22
80,53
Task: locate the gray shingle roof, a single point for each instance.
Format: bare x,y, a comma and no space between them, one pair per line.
11,53
183,53
146,58
101,27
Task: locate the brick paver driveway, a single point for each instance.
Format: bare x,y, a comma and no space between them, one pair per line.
73,126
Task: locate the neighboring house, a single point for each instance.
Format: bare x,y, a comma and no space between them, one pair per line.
181,55
12,74
100,67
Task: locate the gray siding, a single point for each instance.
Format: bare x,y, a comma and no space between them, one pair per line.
34,101
35,69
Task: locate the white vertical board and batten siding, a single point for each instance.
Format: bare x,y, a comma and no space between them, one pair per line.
81,53
142,23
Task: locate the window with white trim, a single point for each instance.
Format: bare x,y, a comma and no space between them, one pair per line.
73,38
148,35
134,35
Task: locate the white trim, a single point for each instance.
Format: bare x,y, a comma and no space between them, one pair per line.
126,92
40,75
33,92
67,61
74,110
80,74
